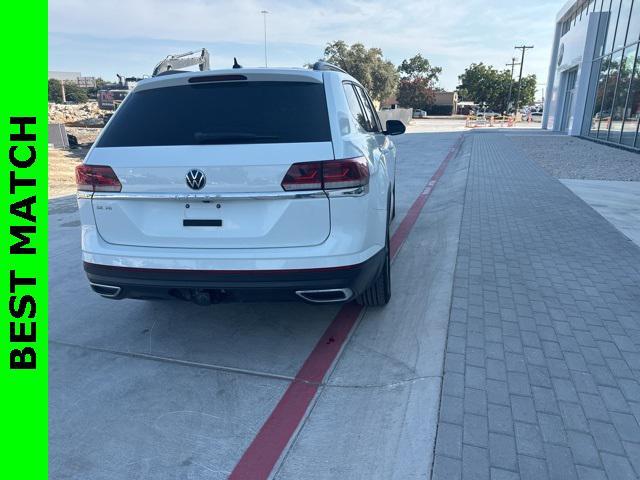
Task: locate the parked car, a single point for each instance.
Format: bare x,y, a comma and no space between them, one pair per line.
417,113
603,114
488,114
185,195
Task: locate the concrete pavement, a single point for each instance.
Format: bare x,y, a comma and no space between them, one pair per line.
617,201
171,390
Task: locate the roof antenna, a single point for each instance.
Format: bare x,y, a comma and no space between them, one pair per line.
236,64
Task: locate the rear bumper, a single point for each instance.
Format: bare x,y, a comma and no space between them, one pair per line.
239,285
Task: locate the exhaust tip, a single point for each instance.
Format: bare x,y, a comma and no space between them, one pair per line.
108,291
326,296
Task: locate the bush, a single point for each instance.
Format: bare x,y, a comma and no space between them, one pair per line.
73,92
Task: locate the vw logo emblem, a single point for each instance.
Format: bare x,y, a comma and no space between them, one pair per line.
196,179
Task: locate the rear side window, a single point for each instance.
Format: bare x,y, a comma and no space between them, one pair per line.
221,113
369,110
355,107
360,107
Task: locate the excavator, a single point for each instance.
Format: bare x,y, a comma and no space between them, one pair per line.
181,60
110,97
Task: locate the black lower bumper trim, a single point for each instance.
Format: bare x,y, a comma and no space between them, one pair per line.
236,284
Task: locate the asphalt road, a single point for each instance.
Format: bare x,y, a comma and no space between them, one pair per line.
166,390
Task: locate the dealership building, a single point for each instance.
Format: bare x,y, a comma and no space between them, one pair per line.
593,88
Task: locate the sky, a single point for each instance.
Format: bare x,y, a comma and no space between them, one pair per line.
130,38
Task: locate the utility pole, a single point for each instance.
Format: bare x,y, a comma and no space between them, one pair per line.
542,85
264,18
524,48
512,65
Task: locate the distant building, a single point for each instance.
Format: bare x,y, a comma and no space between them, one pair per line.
593,88
445,103
64,76
390,103
75,78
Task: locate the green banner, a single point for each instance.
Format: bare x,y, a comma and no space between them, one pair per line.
23,279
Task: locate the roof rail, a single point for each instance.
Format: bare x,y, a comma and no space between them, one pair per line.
322,65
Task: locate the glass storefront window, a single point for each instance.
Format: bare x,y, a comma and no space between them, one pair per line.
601,66
634,23
632,110
613,95
611,29
620,95
609,94
623,22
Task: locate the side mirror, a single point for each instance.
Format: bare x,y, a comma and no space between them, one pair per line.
394,127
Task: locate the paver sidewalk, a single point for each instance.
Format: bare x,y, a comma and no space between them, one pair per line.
542,368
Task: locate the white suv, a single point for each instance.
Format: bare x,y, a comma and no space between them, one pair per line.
241,184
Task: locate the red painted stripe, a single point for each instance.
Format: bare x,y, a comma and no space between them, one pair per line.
258,460
263,453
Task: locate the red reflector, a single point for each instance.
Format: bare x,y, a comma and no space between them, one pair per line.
346,173
97,178
303,176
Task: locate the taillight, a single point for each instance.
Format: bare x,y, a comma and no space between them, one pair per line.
347,173
97,178
328,175
303,176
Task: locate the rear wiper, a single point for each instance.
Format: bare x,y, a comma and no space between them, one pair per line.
221,138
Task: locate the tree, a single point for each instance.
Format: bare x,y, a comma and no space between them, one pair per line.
367,65
55,91
482,83
73,92
415,94
417,82
419,67
528,91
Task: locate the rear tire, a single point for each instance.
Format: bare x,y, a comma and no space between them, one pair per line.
378,293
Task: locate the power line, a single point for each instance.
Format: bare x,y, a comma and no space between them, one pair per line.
524,48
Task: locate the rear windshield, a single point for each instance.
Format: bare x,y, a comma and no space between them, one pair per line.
221,113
